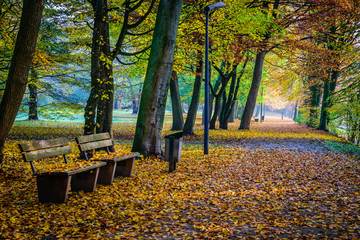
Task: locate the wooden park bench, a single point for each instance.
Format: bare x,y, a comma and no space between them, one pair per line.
115,166
53,186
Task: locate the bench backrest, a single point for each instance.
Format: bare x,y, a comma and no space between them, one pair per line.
36,150
93,142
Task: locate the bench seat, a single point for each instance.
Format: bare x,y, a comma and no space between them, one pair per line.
114,167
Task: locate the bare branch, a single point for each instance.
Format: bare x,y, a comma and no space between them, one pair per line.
126,64
134,25
139,34
135,53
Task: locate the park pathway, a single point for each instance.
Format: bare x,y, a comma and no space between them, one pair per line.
278,180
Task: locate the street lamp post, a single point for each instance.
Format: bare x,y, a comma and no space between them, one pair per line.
207,73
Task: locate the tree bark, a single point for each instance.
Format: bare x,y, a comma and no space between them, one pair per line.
178,121
20,65
33,99
216,89
324,105
329,88
295,111
150,119
236,110
314,104
254,89
195,99
216,111
232,115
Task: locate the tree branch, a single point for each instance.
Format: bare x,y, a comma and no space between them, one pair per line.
131,9
126,64
139,34
219,71
135,53
112,9
134,25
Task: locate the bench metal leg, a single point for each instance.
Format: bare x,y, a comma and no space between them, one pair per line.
53,188
106,173
85,181
124,168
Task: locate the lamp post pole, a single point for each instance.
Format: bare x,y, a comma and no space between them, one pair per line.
207,73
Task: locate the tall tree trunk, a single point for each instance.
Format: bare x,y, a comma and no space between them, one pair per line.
295,111
156,85
134,101
232,115
99,106
178,121
236,109
332,86
324,105
222,107
257,110
216,113
33,99
314,104
329,85
241,112
229,103
20,65
254,89
94,97
216,89
329,88
261,104
195,99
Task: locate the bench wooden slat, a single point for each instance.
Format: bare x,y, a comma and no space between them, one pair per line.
46,153
42,144
93,137
123,158
72,172
94,166
95,145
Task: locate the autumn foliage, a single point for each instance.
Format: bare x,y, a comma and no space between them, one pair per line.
278,180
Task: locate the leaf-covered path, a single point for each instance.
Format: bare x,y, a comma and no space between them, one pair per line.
277,180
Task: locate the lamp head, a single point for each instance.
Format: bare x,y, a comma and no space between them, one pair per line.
214,6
